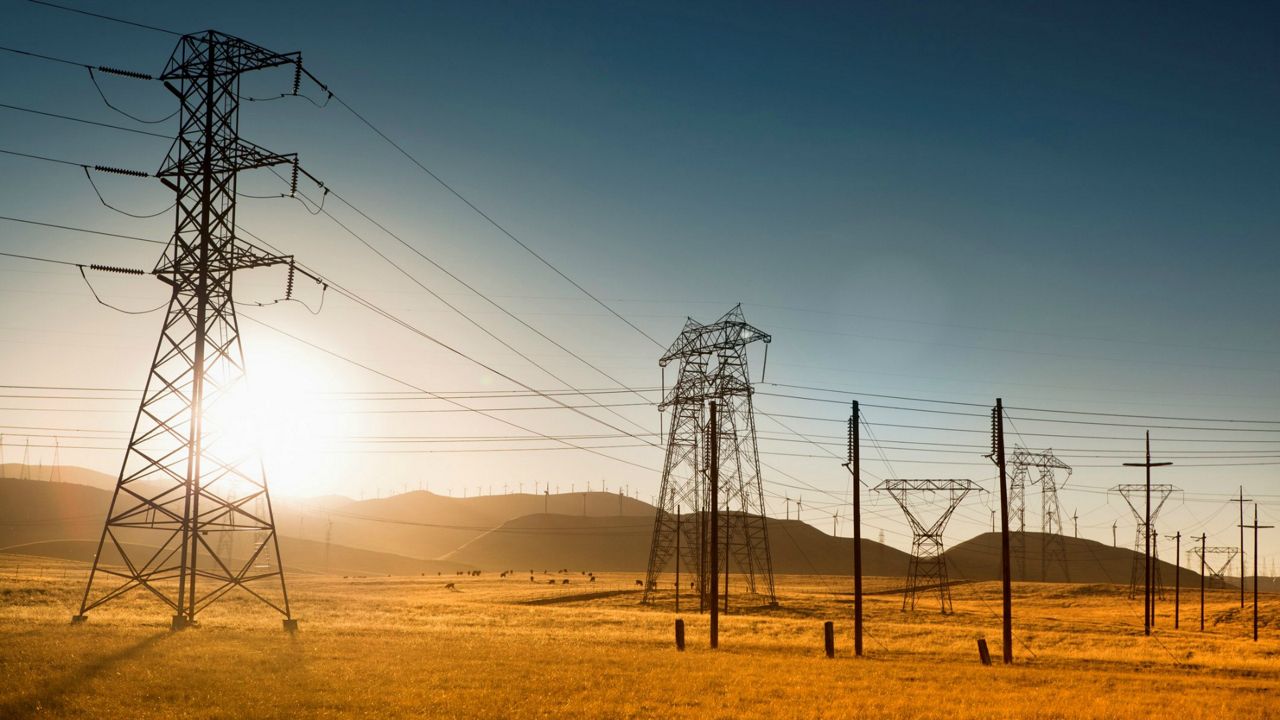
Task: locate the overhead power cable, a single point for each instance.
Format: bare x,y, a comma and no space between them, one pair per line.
101,16
40,259
501,308
479,326
1024,409
40,56
484,413
70,118
82,230
476,208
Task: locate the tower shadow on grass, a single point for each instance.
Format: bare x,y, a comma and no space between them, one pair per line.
50,697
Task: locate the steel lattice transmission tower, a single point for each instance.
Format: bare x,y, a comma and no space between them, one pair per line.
713,366
928,568
191,475
1218,574
1133,493
1052,544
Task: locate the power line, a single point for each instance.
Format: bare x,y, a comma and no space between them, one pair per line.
473,289
1024,409
484,413
40,259
488,218
463,314
70,118
101,16
51,58
82,230
45,158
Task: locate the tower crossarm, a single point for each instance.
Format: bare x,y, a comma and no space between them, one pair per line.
1047,459
1132,491
906,491
238,155
1224,554
190,59
730,332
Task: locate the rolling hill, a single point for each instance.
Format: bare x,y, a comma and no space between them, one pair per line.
421,532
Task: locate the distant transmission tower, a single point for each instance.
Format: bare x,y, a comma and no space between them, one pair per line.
1133,495
713,366
190,474
1019,463
1053,549
928,569
1218,573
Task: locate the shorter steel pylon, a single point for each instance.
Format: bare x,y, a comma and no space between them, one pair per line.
1218,575
928,567
1134,493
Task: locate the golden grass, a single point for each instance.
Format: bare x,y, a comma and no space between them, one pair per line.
406,647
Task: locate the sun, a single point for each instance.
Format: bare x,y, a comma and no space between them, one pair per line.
269,420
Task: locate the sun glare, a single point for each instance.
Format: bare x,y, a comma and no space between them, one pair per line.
275,418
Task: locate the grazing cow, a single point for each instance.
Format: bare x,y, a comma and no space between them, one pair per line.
531,579
565,581
450,586
552,581
640,583
593,579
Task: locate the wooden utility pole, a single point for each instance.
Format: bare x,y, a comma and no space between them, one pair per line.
854,464
678,559
1242,500
727,542
1148,598
1256,527
713,450
1177,580
1203,537
1006,585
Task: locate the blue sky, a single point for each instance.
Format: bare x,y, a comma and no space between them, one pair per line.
1071,207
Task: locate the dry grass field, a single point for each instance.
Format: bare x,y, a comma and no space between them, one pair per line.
408,647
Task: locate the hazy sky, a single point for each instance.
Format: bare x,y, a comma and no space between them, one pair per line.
1071,207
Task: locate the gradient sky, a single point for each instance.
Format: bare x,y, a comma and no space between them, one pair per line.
1070,207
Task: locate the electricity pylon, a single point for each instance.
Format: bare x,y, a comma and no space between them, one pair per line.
1052,545
928,568
713,366
1218,575
1131,493
191,475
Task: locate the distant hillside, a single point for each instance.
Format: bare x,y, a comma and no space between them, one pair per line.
1088,561
552,542
420,532
601,543
64,520
38,511
61,473
425,525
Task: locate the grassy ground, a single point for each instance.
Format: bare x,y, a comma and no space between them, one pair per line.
408,647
